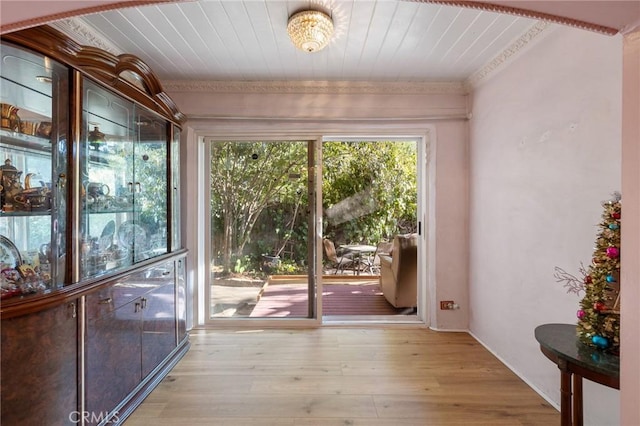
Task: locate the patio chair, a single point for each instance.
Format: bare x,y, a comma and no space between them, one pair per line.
338,262
372,264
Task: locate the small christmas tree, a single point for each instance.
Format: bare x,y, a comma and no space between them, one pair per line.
599,314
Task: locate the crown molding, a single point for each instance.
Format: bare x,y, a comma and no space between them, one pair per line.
84,35
519,45
316,87
49,19
525,13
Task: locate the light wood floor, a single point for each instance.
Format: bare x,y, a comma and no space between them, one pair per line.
329,376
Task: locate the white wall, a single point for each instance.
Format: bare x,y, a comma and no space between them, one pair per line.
545,151
451,227
439,118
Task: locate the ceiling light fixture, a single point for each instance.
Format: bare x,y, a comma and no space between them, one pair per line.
310,30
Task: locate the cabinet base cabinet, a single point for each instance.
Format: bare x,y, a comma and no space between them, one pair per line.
112,348
91,359
130,340
39,368
181,298
158,327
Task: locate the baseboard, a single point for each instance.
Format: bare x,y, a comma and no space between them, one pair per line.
449,330
517,373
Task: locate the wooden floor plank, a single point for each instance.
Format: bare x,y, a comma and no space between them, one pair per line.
341,376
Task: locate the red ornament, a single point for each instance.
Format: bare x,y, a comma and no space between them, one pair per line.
612,252
588,279
615,215
599,306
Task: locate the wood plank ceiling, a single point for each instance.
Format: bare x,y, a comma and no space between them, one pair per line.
246,40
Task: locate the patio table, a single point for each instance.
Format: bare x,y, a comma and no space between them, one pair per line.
359,250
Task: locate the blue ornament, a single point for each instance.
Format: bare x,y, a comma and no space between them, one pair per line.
611,278
613,226
595,357
600,341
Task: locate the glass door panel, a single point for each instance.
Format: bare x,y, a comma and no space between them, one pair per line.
149,229
176,236
369,196
260,255
33,144
107,176
124,152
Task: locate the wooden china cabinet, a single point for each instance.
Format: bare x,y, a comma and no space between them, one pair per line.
92,267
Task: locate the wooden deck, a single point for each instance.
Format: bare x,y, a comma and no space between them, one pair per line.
338,299
287,296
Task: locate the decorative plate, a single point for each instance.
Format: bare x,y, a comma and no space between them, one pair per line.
106,238
132,235
9,253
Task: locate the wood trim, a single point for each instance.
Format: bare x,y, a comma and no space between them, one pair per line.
41,20
103,67
490,7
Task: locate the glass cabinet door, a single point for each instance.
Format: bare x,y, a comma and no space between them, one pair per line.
150,186
124,183
106,176
33,170
176,238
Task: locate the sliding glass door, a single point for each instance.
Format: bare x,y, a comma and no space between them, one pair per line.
261,254
370,200
306,229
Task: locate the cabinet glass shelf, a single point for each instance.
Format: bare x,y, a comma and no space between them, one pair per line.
32,144
25,213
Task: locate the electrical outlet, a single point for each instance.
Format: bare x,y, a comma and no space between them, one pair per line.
446,305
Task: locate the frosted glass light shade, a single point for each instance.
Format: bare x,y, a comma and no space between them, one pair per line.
310,30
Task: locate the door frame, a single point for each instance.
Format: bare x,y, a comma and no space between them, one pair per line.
425,138
312,300
422,149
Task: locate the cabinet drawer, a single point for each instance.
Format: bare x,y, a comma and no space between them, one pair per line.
112,296
125,290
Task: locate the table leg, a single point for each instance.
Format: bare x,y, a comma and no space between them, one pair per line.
577,400
565,397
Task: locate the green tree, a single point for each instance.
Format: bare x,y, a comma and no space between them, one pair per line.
150,171
247,178
380,178
369,192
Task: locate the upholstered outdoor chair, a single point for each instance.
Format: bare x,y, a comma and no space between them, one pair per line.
399,272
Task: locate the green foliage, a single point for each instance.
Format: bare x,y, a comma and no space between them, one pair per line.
287,267
242,264
248,178
259,197
381,176
151,163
